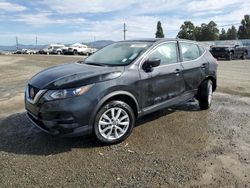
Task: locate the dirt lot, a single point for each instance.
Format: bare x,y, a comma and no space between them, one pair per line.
179,147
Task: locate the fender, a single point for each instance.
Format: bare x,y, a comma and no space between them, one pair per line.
107,97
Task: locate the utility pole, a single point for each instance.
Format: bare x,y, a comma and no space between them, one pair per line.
124,31
36,41
17,43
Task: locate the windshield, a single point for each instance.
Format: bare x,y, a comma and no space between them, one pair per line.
118,54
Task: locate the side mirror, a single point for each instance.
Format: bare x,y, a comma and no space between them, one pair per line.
149,64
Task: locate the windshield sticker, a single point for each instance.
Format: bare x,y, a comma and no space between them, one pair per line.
124,60
133,56
138,46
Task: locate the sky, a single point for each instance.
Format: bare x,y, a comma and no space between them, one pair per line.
69,21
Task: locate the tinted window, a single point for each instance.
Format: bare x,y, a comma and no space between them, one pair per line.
166,53
189,51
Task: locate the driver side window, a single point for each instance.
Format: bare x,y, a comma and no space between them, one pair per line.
167,53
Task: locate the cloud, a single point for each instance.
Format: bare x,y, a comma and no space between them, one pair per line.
11,7
206,5
43,19
80,6
81,20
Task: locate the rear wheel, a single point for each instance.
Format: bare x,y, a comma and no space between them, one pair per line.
205,94
114,122
59,53
75,52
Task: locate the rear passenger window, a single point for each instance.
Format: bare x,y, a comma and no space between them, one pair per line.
189,51
166,53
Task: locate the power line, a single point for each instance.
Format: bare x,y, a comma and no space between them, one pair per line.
229,25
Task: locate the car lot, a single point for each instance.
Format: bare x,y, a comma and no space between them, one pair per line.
182,146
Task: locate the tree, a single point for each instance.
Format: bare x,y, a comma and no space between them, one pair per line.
223,34
187,31
244,29
231,33
207,32
198,33
159,33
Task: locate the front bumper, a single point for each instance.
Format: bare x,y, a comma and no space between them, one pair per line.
55,129
68,117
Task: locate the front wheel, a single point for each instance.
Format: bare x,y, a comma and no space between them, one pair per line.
244,56
75,52
205,94
114,122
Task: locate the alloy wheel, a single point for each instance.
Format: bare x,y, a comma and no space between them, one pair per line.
113,123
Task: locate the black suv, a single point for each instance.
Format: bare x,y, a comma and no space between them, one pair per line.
108,91
229,51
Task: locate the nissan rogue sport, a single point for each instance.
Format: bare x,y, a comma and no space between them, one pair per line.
105,93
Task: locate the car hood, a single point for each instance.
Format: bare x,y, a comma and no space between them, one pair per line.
73,75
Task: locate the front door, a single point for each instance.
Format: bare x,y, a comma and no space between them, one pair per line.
164,82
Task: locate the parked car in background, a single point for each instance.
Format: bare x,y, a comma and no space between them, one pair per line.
57,50
18,52
65,50
109,90
29,51
229,51
51,48
80,49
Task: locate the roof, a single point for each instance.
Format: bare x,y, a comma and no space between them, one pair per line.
77,44
156,40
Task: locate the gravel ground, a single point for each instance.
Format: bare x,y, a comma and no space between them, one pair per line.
178,147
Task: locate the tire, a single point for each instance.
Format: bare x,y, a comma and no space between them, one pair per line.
244,56
75,52
205,94
112,115
59,53
230,56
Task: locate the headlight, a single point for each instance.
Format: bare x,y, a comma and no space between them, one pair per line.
66,93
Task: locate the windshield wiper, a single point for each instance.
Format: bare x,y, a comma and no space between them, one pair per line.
96,64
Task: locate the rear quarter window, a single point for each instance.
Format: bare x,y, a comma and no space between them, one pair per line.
189,51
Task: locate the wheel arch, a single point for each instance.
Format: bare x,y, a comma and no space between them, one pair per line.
124,96
214,81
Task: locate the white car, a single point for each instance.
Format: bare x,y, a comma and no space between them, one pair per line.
52,48
81,49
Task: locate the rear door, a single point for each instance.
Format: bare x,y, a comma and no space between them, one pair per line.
165,81
194,64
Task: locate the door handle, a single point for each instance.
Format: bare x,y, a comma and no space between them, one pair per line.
177,72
